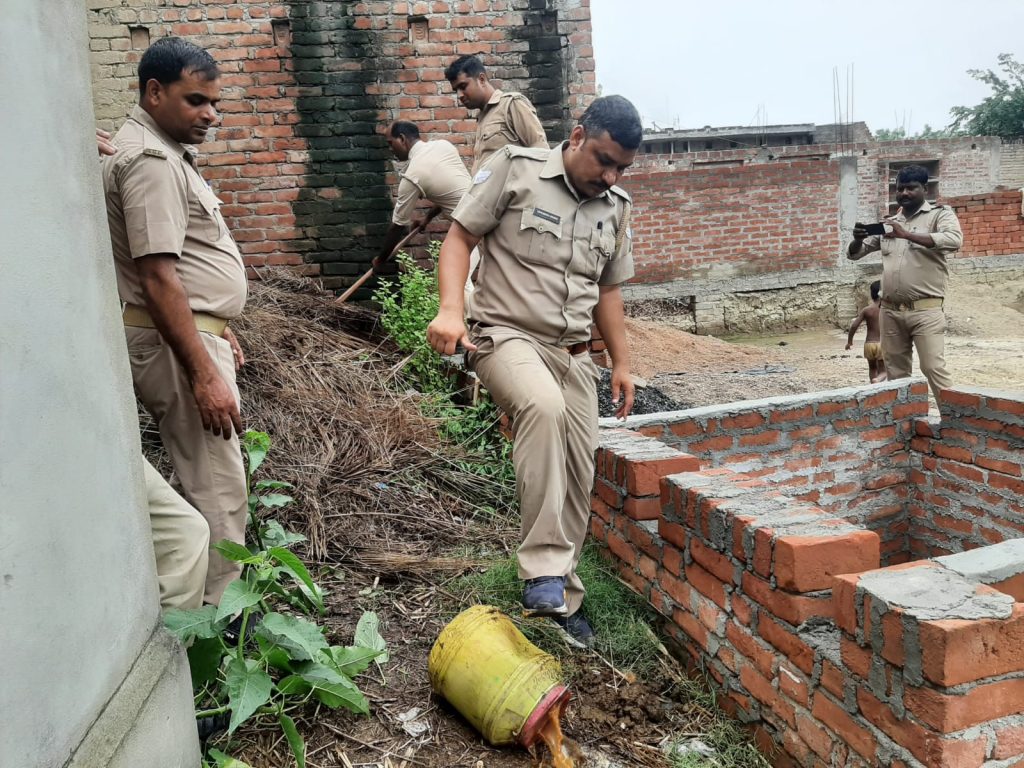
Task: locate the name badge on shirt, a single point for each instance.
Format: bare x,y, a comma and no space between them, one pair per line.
554,218
481,177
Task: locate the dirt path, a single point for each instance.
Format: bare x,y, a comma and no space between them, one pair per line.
984,347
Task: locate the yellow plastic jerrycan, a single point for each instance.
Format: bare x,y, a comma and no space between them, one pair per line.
503,684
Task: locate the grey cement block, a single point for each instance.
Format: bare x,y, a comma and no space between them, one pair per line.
988,565
929,593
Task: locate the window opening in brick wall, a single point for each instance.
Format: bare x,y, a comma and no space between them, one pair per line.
282,30
139,37
932,191
419,30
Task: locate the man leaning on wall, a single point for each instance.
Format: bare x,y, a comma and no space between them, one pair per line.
915,246
181,278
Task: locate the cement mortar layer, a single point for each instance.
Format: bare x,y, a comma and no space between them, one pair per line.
988,565
765,405
930,593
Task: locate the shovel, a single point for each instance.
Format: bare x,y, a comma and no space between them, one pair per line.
370,272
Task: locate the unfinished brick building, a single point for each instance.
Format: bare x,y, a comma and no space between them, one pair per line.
299,161
751,239
848,574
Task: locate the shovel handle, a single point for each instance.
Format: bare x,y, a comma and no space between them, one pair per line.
370,272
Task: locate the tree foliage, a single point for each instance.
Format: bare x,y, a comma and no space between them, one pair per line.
1000,114
899,134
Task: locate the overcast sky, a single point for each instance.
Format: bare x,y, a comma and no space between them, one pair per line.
689,64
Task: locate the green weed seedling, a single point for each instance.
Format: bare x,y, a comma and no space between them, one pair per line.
281,660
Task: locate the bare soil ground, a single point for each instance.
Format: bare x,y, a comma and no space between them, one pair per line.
984,347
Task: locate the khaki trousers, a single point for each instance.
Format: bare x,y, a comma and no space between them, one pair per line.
181,542
922,328
207,467
551,398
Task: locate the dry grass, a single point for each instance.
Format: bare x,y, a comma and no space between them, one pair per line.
368,468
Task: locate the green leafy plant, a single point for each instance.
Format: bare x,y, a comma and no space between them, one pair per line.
280,660
408,304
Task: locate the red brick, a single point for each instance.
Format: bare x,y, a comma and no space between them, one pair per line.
844,596
1009,742
714,562
954,397
849,730
673,533
672,559
832,679
753,649
998,465
952,452
855,658
648,567
793,685
808,563
643,478
678,590
693,628
622,549
792,414
816,737
947,714
761,689
706,584
794,609
1013,407
743,421
788,642
760,438
685,428
956,652
927,746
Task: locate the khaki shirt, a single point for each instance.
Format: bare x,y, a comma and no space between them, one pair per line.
544,250
158,203
435,172
911,271
507,118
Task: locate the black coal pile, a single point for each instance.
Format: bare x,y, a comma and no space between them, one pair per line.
646,400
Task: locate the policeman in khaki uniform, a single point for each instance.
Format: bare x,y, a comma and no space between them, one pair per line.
435,172
181,278
505,117
914,275
555,245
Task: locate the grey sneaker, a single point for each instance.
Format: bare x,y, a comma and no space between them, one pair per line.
578,631
544,596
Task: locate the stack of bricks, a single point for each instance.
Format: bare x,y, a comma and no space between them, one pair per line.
300,161
781,601
968,475
846,451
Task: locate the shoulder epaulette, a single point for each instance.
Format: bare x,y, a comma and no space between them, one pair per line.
617,190
533,153
154,152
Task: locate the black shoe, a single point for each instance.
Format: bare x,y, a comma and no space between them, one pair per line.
578,631
234,627
209,727
544,596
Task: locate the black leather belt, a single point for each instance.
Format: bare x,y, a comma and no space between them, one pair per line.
578,348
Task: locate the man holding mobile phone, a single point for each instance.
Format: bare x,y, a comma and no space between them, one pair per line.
914,249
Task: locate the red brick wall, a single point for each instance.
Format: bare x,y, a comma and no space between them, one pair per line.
846,452
992,223
298,159
739,220
968,481
781,602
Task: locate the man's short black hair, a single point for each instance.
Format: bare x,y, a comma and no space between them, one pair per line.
469,64
617,116
403,129
876,288
913,173
169,57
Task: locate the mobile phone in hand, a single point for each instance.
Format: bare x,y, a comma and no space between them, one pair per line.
874,229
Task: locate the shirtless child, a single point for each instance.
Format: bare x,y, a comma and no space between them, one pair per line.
873,343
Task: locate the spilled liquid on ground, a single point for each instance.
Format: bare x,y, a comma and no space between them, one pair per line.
563,751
